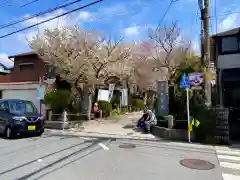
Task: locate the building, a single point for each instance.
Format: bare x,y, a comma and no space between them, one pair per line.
225,52
4,70
25,81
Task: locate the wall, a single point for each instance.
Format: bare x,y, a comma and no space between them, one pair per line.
228,61
31,75
25,76
31,87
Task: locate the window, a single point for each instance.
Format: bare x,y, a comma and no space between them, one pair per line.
22,107
229,44
26,66
50,72
3,106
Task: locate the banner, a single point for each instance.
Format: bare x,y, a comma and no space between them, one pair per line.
111,90
40,92
162,89
124,97
103,95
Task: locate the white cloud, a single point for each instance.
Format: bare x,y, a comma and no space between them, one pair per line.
230,22
131,31
85,16
56,23
118,9
195,45
5,61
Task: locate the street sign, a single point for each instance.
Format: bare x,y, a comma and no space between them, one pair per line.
195,79
184,82
189,127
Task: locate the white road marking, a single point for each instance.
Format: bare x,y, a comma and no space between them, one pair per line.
229,159
234,158
230,177
230,165
103,146
233,153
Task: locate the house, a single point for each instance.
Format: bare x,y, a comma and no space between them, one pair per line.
225,52
4,70
26,79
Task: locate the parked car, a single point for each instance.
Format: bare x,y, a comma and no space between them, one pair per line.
20,117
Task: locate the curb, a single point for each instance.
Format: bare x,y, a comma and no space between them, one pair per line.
104,136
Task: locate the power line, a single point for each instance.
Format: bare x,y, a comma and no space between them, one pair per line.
31,2
38,14
5,3
166,12
74,10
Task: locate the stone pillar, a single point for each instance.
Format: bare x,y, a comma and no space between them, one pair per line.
170,121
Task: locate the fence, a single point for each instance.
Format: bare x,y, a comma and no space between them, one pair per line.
65,120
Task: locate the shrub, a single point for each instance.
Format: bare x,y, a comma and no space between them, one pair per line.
207,125
137,104
124,110
115,112
106,108
58,100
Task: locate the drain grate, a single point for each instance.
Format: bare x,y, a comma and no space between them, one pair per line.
197,164
127,146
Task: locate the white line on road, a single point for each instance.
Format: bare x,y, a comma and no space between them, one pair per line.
103,146
226,157
233,153
230,165
230,177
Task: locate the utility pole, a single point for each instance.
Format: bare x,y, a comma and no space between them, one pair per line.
204,8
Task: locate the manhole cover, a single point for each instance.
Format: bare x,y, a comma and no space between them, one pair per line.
127,146
197,164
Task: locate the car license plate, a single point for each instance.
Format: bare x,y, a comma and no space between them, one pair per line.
31,128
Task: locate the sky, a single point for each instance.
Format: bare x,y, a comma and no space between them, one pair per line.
130,19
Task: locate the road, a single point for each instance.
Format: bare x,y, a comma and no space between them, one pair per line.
64,157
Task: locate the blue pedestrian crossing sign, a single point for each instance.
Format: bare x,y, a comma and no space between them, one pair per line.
184,82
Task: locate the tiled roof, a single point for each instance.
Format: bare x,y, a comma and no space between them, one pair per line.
23,54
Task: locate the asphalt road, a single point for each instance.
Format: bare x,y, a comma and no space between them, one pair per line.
74,158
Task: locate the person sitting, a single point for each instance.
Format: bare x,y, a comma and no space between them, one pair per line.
147,120
95,111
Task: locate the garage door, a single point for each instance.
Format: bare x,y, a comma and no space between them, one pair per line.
26,94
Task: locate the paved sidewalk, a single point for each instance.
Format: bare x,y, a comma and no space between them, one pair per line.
123,126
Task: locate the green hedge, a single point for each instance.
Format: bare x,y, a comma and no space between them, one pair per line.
137,104
58,100
106,108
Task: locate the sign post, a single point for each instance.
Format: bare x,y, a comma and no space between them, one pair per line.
185,84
